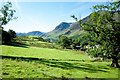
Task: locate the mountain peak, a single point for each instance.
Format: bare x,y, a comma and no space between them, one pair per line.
62,26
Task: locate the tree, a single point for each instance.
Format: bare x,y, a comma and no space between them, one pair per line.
5,37
104,28
6,15
64,41
12,34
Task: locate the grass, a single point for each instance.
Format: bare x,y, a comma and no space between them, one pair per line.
56,69
30,41
43,53
33,62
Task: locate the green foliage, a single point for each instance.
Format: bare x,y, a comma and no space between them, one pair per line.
73,16
12,34
6,13
8,37
84,39
65,41
104,29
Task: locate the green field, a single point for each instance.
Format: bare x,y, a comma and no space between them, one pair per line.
34,62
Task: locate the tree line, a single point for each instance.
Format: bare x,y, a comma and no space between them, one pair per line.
72,43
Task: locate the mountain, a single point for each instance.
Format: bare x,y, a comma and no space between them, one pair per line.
33,33
67,29
64,28
61,28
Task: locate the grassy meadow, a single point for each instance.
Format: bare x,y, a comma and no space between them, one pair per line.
35,62
60,51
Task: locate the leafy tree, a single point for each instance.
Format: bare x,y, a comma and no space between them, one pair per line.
6,15
65,41
12,34
8,36
104,29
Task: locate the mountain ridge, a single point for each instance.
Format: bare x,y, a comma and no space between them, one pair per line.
72,29
32,33
69,29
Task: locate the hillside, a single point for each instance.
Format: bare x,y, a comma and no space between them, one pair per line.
61,28
67,29
33,33
35,62
64,28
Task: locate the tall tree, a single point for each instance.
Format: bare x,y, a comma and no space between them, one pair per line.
104,28
6,15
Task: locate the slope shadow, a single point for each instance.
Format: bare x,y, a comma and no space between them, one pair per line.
18,44
63,65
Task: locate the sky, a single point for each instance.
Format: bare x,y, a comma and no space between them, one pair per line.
45,16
